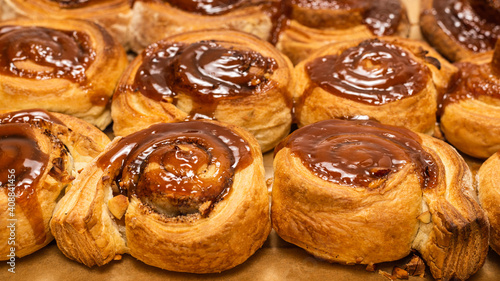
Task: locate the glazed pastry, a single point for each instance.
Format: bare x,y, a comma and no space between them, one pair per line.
392,80
470,109
114,15
40,154
227,75
489,196
460,28
178,16
186,197
307,25
362,192
66,66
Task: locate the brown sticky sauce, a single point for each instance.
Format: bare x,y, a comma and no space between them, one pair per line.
72,4
206,7
56,53
473,24
374,73
205,71
181,162
360,153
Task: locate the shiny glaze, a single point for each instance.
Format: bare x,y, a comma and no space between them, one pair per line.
57,53
374,72
169,162
473,24
206,7
71,4
206,71
360,153
20,151
382,17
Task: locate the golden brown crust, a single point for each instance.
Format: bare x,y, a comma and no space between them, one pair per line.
298,41
233,230
81,143
267,115
169,20
351,225
489,196
416,112
114,15
87,100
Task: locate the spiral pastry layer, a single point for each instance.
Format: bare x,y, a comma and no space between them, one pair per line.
489,196
176,16
307,25
69,66
186,197
459,29
362,192
114,15
40,153
394,81
470,109
225,75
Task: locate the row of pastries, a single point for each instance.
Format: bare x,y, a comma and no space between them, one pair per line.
366,178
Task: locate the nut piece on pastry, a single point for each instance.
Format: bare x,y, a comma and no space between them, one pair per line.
460,28
392,80
230,76
307,25
489,196
66,66
178,16
40,153
470,109
358,192
194,196
114,15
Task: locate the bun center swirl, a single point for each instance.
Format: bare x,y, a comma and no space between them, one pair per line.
177,168
360,153
43,53
374,72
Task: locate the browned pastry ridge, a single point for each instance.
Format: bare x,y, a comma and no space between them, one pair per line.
307,25
460,28
66,66
393,80
470,109
188,197
40,154
231,76
359,192
489,196
178,16
114,15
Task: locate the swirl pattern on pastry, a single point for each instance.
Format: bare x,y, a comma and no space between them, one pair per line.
40,153
342,189
470,109
186,197
386,79
459,29
69,66
226,75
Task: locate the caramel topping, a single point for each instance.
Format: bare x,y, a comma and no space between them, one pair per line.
177,166
374,72
473,24
206,7
206,71
43,53
360,153
71,4
381,17
29,116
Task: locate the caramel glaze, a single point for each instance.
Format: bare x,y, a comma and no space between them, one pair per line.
178,167
382,17
360,153
374,73
206,71
61,53
72,4
20,153
474,24
207,7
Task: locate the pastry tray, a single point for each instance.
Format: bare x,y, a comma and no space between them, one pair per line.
276,260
